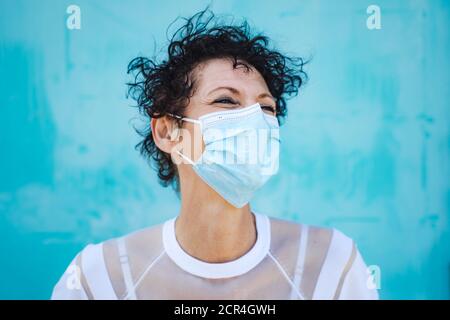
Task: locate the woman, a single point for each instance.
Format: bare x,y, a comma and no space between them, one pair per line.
214,107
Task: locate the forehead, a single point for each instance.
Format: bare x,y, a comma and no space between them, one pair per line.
220,72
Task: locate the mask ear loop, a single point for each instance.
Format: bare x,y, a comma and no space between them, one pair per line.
185,158
187,120
177,130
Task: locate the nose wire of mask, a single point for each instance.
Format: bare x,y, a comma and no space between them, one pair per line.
236,183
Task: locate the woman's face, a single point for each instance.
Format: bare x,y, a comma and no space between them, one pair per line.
221,87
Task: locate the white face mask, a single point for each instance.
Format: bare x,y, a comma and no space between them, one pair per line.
241,151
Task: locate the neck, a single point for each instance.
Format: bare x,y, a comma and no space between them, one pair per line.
209,228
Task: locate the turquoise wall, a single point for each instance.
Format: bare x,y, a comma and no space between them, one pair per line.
365,147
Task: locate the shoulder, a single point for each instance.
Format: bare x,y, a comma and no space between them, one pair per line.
316,237
86,277
329,261
69,285
330,240
95,272
147,241
343,273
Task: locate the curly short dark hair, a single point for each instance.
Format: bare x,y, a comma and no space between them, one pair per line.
166,86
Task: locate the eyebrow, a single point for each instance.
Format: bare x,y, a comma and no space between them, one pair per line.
235,91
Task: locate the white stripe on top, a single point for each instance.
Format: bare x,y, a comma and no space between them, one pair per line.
96,274
338,254
300,258
126,271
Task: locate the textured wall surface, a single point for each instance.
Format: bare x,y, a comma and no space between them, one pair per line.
365,146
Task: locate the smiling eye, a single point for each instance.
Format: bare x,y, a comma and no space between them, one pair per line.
268,109
225,101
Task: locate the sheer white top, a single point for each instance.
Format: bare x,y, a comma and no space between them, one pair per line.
287,261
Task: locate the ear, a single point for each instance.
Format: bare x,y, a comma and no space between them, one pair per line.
165,133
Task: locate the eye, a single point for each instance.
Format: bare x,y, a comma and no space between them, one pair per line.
225,101
269,109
